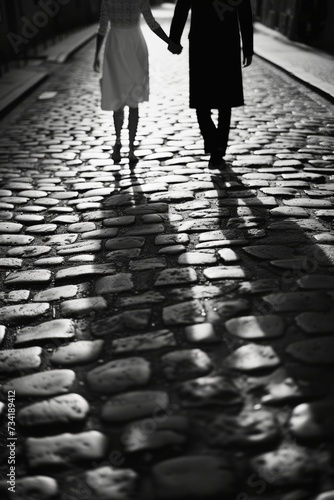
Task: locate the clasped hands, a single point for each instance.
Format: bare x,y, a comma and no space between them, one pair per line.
175,48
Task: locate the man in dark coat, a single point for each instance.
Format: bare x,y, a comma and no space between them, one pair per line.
215,75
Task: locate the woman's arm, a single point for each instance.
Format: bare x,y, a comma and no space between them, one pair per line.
161,34
102,30
155,26
97,60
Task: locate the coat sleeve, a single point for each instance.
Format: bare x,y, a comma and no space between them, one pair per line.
246,27
181,11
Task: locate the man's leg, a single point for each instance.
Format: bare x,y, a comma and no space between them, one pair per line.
207,128
224,123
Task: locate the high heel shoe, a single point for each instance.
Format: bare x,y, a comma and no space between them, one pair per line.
116,154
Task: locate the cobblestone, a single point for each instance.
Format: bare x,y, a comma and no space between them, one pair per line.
41,486
65,448
47,383
293,465
167,328
107,482
134,405
82,351
196,476
59,410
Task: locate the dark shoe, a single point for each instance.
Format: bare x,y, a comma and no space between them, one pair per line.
133,160
116,154
216,160
222,152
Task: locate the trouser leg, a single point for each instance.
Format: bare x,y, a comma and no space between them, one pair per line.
223,129
207,128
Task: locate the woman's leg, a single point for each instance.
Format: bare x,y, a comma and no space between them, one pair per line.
118,123
133,125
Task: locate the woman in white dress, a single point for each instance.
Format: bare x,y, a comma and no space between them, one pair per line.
125,73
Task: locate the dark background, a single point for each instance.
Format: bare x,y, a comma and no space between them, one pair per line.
306,21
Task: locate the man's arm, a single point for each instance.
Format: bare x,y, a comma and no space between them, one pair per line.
180,15
175,48
156,28
246,29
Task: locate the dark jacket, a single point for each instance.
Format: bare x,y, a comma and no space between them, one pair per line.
215,75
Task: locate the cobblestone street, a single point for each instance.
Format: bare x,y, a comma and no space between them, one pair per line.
167,330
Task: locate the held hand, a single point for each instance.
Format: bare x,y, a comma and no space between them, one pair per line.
247,61
175,48
97,64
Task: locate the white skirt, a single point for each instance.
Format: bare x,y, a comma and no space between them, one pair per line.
125,75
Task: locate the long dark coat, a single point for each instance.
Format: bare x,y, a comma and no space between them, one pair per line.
215,76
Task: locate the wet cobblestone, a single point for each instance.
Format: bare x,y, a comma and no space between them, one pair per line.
167,328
